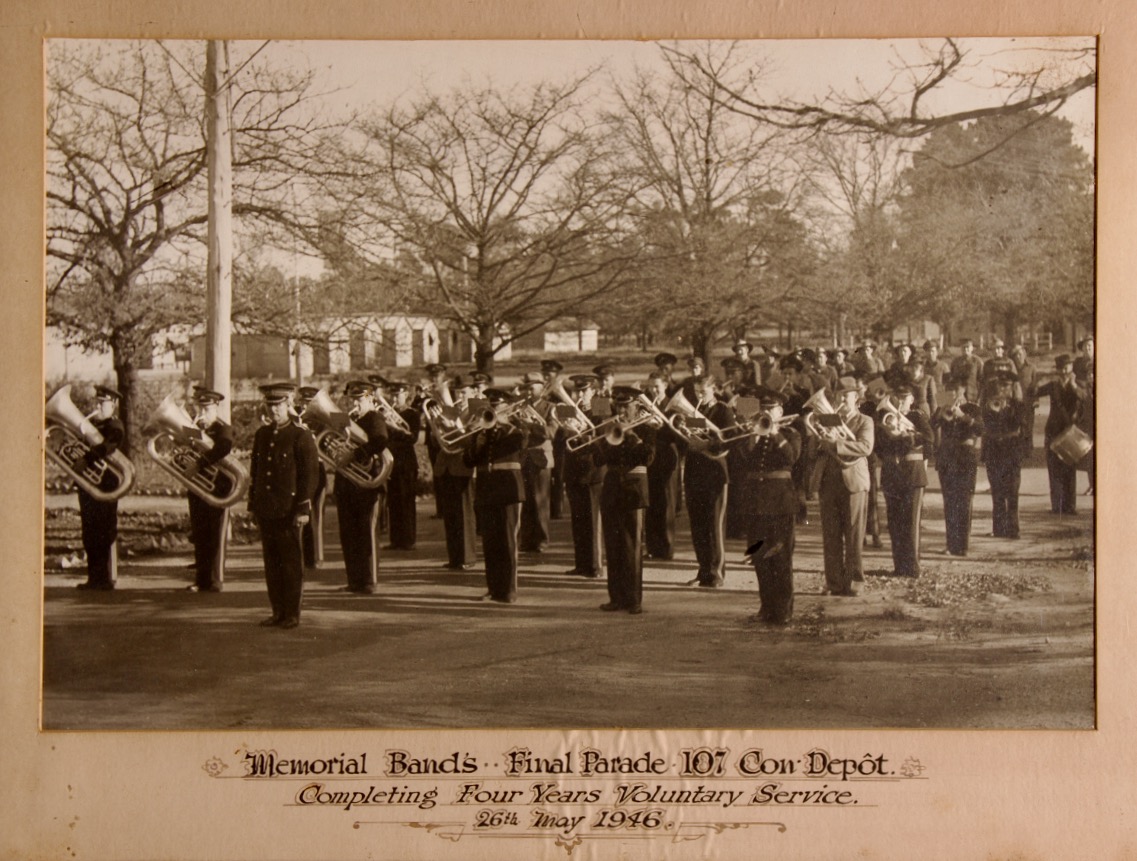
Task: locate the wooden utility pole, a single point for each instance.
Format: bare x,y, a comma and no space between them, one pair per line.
219,271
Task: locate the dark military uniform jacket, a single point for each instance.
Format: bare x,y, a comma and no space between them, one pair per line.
284,473
903,463
703,469
497,455
1003,432
625,481
959,436
765,464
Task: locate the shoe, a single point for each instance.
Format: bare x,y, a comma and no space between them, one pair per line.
192,589
610,607
574,572
711,584
635,611
858,577
487,597
591,575
97,587
290,622
270,622
512,599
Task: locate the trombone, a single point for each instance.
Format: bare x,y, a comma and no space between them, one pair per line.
613,430
757,427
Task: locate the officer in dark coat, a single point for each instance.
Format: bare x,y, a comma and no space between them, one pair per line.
98,518
960,428
358,507
401,515
551,376
623,498
1067,403
498,494
209,524
662,479
583,479
313,532
705,481
1004,425
765,462
903,450
282,482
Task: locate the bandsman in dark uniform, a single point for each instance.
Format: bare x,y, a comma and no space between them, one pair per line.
1067,403
536,469
436,373
623,498
705,482
765,476
959,426
454,480
98,518
209,524
875,391
282,482
499,492
550,376
606,380
841,479
737,504
358,507
903,449
583,479
1004,425
999,364
313,532
662,479
401,515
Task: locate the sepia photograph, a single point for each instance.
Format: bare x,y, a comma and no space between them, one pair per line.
566,431
464,384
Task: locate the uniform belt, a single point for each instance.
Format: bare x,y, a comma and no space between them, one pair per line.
896,458
492,467
778,473
638,470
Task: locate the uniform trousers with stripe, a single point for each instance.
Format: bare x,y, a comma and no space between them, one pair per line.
707,509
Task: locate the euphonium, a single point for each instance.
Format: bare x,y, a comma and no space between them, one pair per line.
68,438
175,443
682,411
580,421
339,440
391,415
819,405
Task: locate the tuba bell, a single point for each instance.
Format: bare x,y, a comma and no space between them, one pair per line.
339,442
175,443
892,420
70,436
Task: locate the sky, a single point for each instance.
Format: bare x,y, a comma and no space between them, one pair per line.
377,73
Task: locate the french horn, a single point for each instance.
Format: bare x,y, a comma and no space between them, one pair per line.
70,436
175,443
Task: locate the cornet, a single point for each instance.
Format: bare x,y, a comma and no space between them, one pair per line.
70,436
175,444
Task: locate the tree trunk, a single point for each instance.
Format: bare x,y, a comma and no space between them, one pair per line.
125,378
484,349
1010,326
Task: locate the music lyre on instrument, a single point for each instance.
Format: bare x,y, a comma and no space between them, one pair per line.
819,405
339,441
175,443
70,436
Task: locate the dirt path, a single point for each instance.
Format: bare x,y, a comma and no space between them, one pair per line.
1002,639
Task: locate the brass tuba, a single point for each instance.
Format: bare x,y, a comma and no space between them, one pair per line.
176,443
68,438
339,440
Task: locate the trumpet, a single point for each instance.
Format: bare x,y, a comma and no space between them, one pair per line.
894,421
339,441
70,436
175,444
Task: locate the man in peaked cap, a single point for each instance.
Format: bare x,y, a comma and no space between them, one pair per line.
904,450
313,532
663,479
1004,425
536,473
841,479
705,481
98,518
999,365
282,481
400,497
1068,402
358,506
606,376
959,426
665,364
209,524
766,482
623,498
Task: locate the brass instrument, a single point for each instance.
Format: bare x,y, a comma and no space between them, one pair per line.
70,436
763,424
580,421
175,443
894,421
466,426
682,412
338,441
391,415
612,430
819,404
997,404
